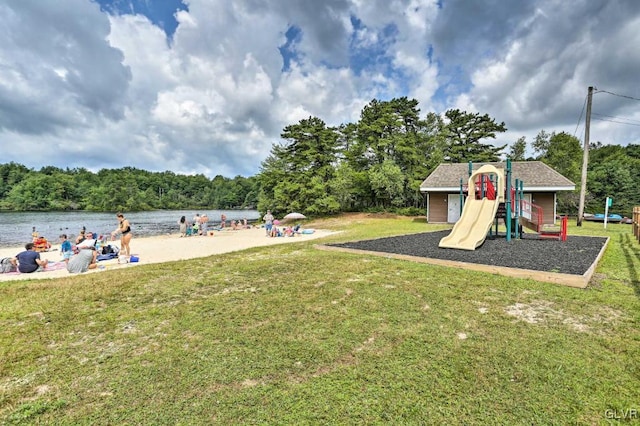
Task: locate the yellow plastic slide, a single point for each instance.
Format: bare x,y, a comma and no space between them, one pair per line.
471,229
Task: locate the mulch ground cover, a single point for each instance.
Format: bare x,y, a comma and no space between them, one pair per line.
574,256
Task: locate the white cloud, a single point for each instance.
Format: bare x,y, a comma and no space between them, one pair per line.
81,88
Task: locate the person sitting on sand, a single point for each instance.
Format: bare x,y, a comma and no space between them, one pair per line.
41,244
29,260
275,232
84,260
81,236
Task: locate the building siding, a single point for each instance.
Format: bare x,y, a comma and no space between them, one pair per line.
437,208
547,202
437,212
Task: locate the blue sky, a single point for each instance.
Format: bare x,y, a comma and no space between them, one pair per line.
206,86
160,12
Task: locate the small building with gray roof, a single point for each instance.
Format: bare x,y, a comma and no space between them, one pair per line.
541,185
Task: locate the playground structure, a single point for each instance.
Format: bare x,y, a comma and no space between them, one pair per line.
478,211
493,198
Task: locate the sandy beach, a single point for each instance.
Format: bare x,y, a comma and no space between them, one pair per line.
166,248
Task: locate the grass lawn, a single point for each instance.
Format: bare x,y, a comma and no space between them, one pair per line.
289,334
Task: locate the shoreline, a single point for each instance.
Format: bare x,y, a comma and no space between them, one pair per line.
16,227
165,248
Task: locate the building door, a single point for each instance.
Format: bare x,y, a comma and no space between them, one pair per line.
453,208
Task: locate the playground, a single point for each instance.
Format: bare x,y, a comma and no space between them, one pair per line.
547,253
571,262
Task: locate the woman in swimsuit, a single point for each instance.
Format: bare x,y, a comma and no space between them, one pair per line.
124,228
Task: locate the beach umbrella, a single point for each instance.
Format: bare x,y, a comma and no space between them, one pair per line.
295,215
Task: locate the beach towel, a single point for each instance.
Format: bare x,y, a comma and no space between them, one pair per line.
51,266
107,256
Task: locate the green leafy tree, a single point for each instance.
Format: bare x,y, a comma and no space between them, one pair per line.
464,133
518,149
434,142
563,153
613,173
344,187
52,188
297,175
10,175
32,193
389,131
387,181
541,142
273,170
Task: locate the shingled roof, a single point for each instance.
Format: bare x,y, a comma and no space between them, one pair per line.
535,176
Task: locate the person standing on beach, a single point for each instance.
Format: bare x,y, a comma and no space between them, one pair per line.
204,220
66,250
124,228
183,226
268,222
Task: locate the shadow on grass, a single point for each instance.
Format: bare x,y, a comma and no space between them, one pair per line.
419,220
631,251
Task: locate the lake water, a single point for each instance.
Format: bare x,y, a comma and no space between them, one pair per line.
16,228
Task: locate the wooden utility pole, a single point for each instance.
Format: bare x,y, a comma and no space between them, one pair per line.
585,158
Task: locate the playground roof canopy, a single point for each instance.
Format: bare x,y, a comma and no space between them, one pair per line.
535,176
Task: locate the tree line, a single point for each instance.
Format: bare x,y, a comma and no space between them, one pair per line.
613,171
374,164
125,189
379,162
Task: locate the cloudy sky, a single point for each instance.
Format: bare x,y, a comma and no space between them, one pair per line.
206,86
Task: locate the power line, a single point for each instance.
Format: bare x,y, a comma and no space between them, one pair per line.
615,94
614,121
618,118
580,118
